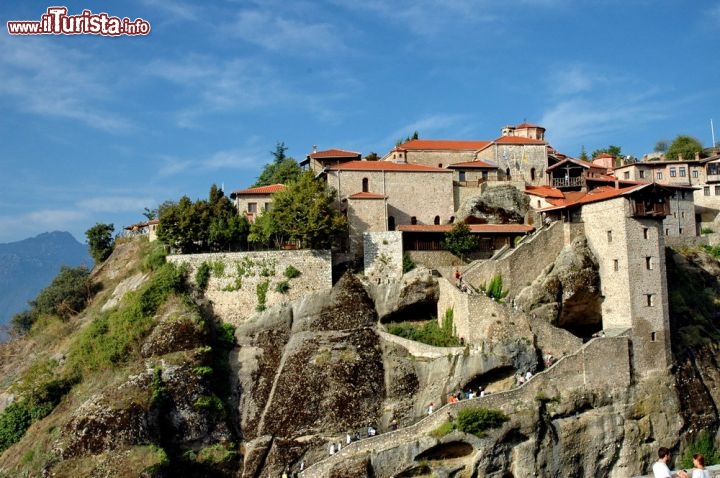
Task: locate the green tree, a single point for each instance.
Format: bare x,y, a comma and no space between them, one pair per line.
685,146
67,294
282,170
459,240
303,213
583,154
615,151
661,146
101,241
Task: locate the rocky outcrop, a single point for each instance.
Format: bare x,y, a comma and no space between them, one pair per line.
501,204
567,294
411,297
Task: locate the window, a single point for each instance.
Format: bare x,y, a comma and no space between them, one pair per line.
539,203
267,207
646,233
437,220
365,185
507,174
391,223
680,231
682,214
452,219
252,207
626,175
696,173
682,172
532,174
653,336
682,195
648,263
717,190
413,220
659,175
462,175
667,232
706,190
642,174
609,236
485,175
439,165
673,172
650,300
616,265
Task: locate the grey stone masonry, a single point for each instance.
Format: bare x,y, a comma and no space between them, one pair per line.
383,256
237,278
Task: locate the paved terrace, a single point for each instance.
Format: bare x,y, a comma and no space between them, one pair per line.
600,364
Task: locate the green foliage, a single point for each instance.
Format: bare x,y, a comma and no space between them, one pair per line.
712,250
291,272
204,225
686,146
159,394
304,214
14,421
430,333
661,146
152,256
706,230
477,420
703,444
203,371
216,454
442,430
261,290
615,151
408,264
111,337
226,335
459,240
583,154
282,287
22,322
282,170
218,268
100,241
211,403
494,289
202,276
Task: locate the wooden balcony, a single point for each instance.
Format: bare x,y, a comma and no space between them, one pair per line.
651,208
578,181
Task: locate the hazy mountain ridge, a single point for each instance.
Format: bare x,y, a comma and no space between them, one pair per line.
27,266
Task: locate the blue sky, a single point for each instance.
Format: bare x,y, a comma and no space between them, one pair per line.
94,129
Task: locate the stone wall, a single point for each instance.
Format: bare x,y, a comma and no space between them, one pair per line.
631,258
681,221
435,259
601,365
688,241
235,277
520,159
522,265
440,159
365,215
383,258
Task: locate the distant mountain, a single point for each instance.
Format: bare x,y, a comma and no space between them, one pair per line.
28,266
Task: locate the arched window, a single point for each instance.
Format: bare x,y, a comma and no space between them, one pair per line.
532,174
365,185
413,220
437,220
507,174
452,219
391,223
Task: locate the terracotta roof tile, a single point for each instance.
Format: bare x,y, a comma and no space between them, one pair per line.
386,166
528,125
476,228
443,144
273,188
544,191
334,153
366,195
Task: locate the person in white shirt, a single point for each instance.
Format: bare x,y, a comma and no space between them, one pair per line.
699,464
660,468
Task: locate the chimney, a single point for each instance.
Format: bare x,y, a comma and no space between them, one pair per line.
314,148
697,155
617,183
680,158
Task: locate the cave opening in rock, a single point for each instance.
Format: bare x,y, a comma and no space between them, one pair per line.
422,470
416,312
446,451
489,378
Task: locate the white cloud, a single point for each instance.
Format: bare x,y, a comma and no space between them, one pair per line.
440,126
249,158
280,32
42,78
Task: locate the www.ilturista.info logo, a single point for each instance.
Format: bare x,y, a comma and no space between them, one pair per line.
57,22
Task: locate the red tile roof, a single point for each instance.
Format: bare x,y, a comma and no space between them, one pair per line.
443,144
477,228
578,198
334,153
386,166
473,164
528,125
517,140
366,195
273,188
544,191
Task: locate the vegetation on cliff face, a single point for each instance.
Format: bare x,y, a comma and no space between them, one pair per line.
139,388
